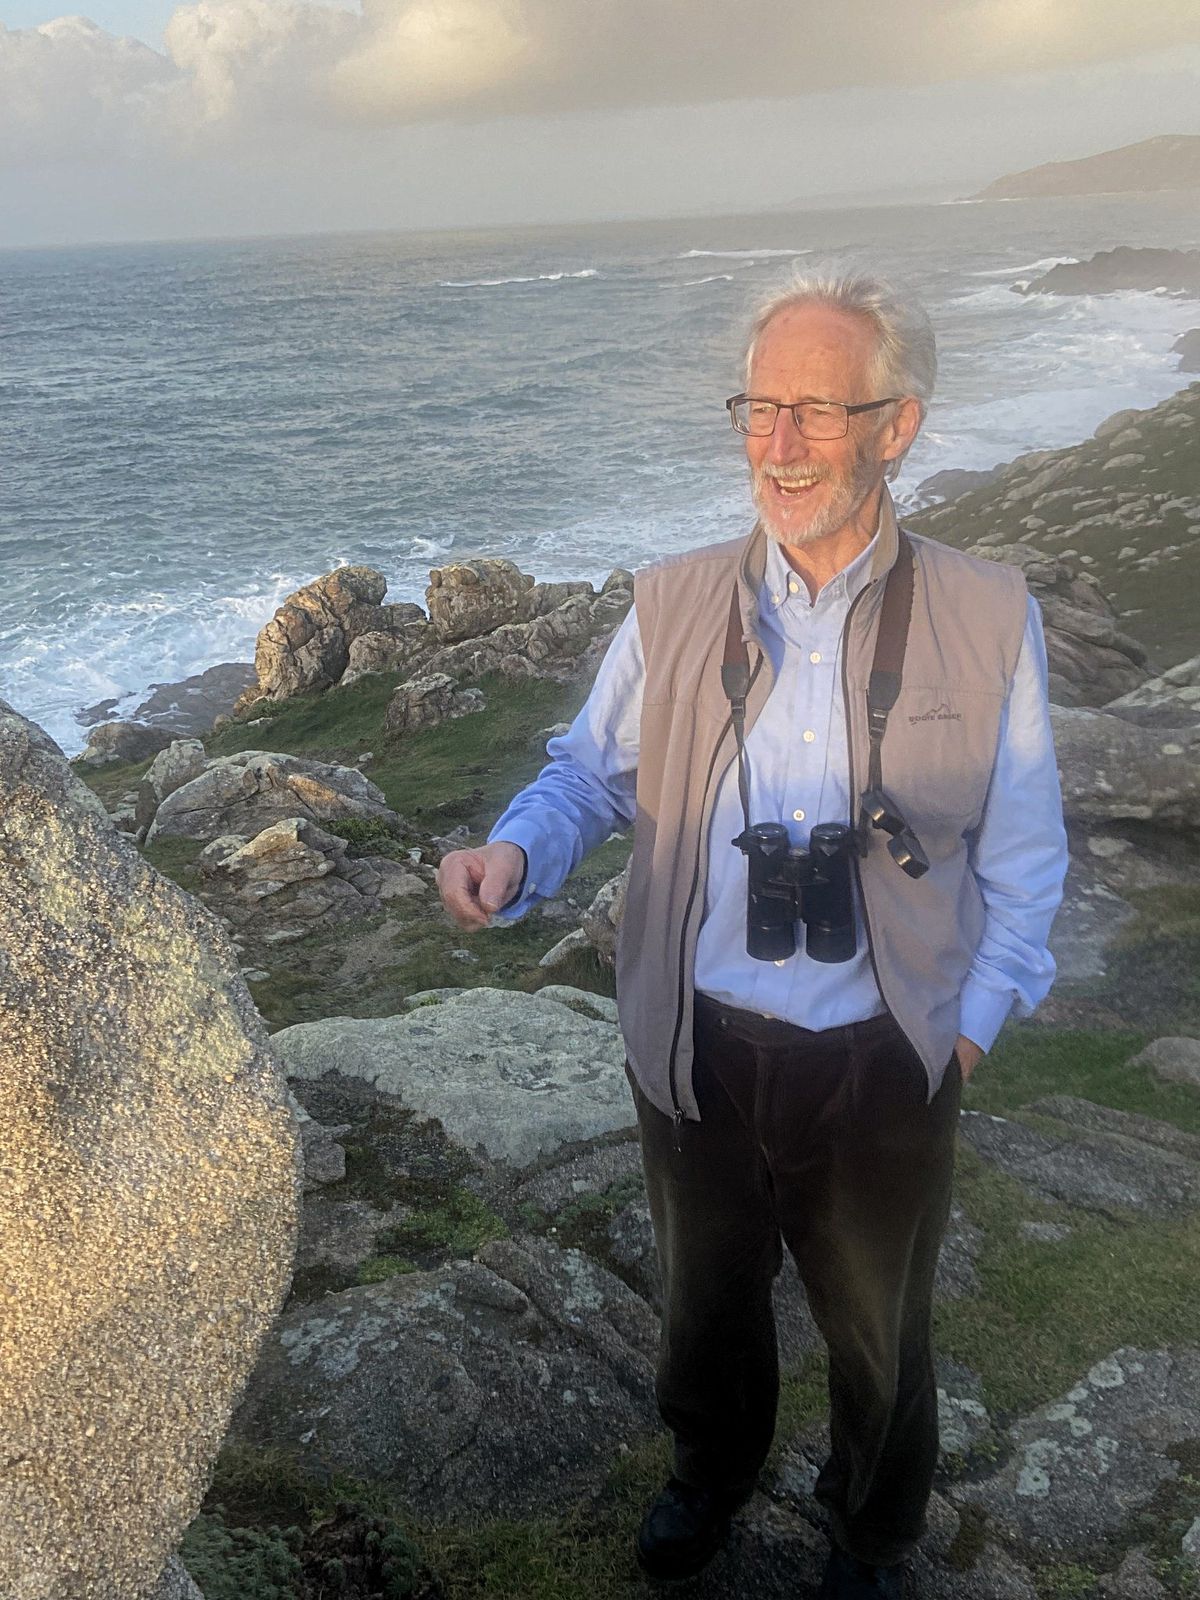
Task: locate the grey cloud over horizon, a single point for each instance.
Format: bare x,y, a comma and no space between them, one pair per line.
232,65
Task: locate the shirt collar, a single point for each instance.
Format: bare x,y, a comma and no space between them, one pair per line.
779,576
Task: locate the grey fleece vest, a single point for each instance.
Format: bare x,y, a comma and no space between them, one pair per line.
968,619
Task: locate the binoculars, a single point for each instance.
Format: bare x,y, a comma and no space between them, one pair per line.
787,884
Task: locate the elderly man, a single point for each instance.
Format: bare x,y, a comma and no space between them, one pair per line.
796,1053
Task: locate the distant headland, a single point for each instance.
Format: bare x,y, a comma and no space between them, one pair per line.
1170,161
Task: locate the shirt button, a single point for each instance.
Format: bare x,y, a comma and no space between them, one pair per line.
815,657
793,587
797,816
809,736
775,599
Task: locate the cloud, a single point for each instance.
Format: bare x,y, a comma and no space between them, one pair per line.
69,89
233,64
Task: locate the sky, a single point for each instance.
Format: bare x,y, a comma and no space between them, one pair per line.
143,119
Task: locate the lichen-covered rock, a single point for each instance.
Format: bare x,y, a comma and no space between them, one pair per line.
401,651
511,1074
179,763
149,1184
1113,771
427,701
549,646
293,877
1172,700
602,920
1083,1465
1120,1163
248,791
502,1385
469,598
306,645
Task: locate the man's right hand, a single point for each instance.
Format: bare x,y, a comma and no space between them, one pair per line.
475,883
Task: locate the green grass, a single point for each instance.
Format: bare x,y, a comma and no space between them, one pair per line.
1048,1311
1030,1062
455,1227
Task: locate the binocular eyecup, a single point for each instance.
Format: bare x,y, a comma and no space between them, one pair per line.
903,845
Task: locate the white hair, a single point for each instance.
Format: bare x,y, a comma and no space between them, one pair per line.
905,360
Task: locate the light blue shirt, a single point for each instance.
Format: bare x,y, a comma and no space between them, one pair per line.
799,775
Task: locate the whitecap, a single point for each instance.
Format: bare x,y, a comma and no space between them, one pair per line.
714,277
538,277
740,255
1043,265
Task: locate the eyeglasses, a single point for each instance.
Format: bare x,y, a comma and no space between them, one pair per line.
814,419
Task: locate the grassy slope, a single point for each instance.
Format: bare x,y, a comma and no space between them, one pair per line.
1046,1311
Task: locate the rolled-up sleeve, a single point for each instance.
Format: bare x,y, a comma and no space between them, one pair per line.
1018,855
587,791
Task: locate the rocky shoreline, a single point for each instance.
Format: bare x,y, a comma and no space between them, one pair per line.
455,1399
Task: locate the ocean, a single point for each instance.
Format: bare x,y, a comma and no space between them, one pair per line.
192,431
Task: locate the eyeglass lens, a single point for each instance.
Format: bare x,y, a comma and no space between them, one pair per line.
815,419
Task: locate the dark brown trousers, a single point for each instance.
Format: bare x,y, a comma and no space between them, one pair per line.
825,1139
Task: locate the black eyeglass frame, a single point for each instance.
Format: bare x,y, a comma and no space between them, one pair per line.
794,408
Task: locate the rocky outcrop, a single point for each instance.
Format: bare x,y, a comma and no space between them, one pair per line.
123,741
246,792
1172,700
498,1386
189,706
550,646
1082,1466
179,763
427,701
470,598
294,877
511,1075
406,647
1092,660
1122,508
1109,1162
148,1191
1114,771
1177,271
306,646
951,482
485,616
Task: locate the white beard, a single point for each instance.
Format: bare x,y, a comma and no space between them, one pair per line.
849,492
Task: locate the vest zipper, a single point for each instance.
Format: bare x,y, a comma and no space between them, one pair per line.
702,836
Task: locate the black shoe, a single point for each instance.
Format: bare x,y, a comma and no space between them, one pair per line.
684,1528
847,1578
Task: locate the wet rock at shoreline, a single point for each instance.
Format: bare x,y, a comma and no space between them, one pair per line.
123,742
1177,271
1187,348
